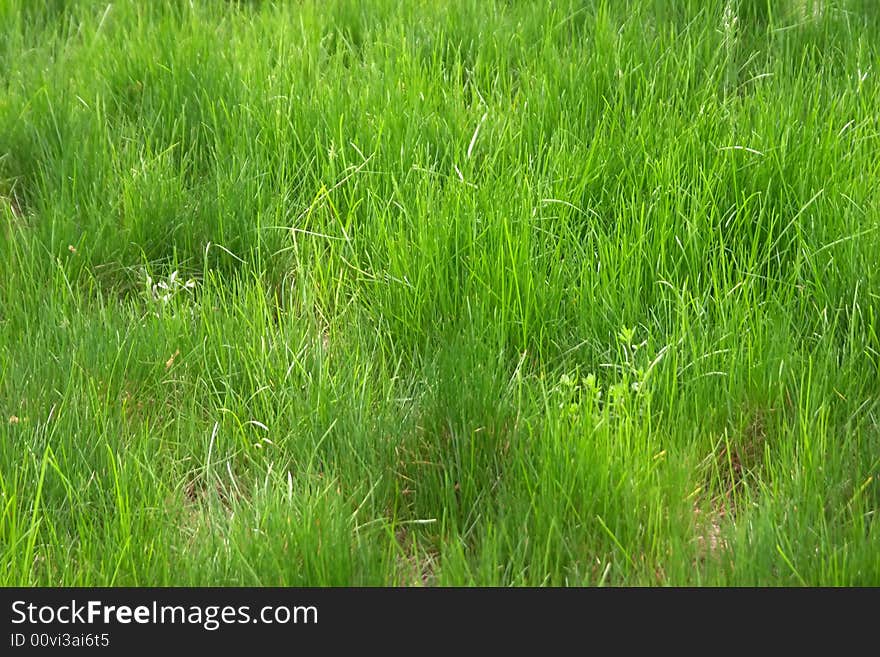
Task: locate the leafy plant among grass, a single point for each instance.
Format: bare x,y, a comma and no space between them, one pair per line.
471,292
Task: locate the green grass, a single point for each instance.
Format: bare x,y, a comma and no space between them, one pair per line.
454,293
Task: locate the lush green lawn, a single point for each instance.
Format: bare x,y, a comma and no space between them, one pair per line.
471,292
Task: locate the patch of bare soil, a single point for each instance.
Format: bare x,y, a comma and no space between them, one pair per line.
709,534
416,568
731,465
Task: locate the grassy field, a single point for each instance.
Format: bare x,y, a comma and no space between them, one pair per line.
440,293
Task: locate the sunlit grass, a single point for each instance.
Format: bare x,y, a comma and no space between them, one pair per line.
456,293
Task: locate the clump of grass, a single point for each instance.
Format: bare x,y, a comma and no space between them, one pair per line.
456,293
